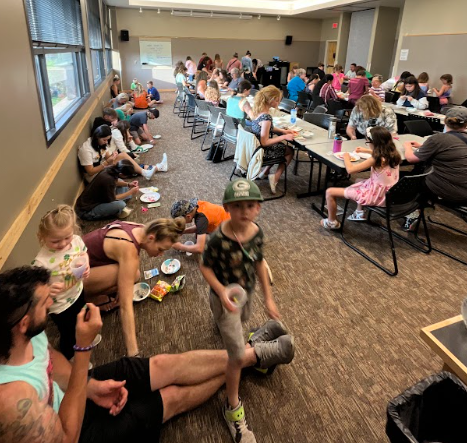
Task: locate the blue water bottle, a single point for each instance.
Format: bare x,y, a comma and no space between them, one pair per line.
293,116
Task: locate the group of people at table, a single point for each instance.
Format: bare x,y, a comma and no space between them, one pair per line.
163,386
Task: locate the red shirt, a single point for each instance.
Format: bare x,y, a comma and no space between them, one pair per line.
357,87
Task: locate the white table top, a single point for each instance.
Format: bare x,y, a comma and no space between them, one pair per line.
320,135
402,110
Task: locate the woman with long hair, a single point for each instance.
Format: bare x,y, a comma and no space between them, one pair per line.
201,83
238,106
412,96
218,62
262,127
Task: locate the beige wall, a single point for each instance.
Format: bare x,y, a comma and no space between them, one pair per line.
26,159
343,40
436,40
327,33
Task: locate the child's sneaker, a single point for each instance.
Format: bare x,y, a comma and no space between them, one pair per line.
163,165
275,352
235,419
271,330
357,216
125,213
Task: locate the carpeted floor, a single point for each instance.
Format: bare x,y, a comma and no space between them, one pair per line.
356,329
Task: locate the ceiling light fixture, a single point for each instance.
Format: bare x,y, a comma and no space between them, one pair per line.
278,17
259,17
172,13
158,11
140,10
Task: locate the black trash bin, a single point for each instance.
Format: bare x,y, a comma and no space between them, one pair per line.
432,411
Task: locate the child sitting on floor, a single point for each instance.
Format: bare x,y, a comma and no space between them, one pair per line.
384,163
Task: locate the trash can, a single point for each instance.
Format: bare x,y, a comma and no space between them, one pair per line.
432,411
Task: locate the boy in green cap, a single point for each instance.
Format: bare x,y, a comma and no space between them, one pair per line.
234,254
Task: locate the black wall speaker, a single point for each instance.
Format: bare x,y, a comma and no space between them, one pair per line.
124,35
288,39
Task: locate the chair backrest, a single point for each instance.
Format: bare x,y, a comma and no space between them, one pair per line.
321,109
231,126
395,96
202,105
215,111
407,191
321,120
433,104
253,92
191,100
418,127
303,98
334,107
180,88
287,105
285,91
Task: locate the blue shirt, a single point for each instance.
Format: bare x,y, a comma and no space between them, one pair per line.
294,87
247,63
154,93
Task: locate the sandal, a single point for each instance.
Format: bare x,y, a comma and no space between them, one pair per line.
333,226
110,305
357,216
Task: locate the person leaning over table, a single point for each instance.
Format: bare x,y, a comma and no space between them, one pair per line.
320,70
297,84
369,111
327,92
447,153
191,68
412,96
312,82
234,62
247,63
224,79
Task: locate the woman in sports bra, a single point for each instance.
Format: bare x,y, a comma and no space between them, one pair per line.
114,260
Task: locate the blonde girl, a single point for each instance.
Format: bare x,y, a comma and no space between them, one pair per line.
212,94
262,127
60,245
384,163
114,259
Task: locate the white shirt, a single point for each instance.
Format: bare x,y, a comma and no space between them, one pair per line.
117,143
88,157
351,74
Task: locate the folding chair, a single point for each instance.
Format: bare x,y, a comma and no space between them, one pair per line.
228,135
202,115
418,127
179,102
215,123
287,105
433,104
403,198
303,100
190,109
285,91
253,92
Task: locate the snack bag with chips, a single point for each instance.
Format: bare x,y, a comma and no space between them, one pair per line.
159,291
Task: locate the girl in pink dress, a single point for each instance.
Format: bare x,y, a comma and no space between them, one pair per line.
384,163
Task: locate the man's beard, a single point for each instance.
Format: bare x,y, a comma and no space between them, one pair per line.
36,329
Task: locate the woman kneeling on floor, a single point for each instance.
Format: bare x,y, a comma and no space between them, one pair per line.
384,163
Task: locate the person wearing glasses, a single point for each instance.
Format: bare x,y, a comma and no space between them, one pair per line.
234,255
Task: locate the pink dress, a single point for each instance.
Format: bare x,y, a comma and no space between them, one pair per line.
372,192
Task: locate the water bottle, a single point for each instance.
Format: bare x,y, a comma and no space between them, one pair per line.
337,146
293,116
332,127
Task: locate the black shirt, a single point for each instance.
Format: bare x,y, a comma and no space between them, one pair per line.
98,121
100,190
320,72
201,222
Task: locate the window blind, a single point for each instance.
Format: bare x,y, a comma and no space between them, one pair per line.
94,25
55,21
106,12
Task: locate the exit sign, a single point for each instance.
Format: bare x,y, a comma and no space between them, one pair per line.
334,25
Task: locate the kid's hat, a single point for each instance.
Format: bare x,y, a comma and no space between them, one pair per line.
183,207
242,190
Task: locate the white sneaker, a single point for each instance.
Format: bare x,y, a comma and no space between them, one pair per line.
148,173
272,183
156,137
238,427
125,213
163,165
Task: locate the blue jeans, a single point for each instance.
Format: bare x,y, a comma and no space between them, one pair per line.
191,77
106,210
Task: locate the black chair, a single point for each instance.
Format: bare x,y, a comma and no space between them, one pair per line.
285,91
418,127
303,100
433,104
320,109
458,209
228,135
388,96
253,92
202,115
319,119
402,199
287,105
215,123
190,109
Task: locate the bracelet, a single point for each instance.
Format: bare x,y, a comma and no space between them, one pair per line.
85,349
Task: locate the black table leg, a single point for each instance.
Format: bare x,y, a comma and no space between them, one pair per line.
320,210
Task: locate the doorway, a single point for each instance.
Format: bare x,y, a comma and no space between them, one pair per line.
331,49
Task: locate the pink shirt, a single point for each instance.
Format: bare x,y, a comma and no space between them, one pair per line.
336,84
191,67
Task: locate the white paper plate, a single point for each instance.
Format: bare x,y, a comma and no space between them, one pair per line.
150,190
150,198
353,157
307,134
170,266
141,291
363,155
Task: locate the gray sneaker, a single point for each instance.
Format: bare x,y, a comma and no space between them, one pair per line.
275,352
271,330
235,419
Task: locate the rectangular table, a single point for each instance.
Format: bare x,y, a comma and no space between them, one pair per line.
448,339
436,121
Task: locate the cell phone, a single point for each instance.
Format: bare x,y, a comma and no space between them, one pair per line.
154,205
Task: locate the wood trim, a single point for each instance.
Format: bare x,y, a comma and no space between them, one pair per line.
13,234
440,34
221,38
455,365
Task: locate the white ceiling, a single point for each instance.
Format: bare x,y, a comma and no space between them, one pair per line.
318,9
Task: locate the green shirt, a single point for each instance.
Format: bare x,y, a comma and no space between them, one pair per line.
133,86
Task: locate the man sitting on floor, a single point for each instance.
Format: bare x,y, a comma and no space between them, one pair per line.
46,400
139,129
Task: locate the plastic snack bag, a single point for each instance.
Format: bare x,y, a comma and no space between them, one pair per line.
159,291
178,284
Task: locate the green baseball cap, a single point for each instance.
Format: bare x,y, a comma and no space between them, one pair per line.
242,190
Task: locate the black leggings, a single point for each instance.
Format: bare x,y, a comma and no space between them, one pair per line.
66,324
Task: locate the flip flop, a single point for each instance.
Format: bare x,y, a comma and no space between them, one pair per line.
110,305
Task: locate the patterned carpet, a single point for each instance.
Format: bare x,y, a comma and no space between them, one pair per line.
356,329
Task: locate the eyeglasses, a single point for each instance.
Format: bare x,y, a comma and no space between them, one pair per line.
22,316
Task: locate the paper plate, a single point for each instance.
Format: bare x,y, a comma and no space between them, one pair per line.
363,155
170,266
150,198
141,291
307,134
353,157
150,190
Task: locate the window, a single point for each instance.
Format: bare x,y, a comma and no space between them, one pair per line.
95,41
56,32
107,39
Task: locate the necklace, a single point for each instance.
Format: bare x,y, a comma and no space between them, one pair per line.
245,252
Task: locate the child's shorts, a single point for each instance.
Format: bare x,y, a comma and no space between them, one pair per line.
230,325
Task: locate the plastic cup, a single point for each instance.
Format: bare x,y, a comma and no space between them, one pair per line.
78,267
237,295
189,243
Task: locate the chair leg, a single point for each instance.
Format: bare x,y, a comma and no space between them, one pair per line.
204,138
